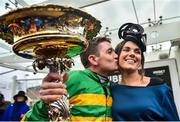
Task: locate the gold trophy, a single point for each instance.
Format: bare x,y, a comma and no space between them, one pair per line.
51,35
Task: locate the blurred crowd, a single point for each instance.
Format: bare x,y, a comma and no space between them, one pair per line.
13,111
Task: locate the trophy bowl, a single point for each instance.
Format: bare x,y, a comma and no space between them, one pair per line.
50,35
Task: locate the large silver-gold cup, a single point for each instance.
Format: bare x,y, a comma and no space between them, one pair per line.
51,35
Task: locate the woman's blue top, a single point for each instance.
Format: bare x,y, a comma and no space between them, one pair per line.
149,103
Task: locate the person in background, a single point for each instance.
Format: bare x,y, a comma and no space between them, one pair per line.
16,110
137,97
89,89
3,105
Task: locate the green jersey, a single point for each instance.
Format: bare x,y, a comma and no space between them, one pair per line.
91,99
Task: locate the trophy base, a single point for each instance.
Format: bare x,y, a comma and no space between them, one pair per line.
60,110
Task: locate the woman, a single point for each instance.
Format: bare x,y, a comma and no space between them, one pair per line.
138,97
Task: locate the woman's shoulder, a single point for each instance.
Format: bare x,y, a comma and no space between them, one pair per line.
156,81
160,85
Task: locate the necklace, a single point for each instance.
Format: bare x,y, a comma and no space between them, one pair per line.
140,82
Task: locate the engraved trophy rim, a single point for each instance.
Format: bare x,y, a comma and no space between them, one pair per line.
29,27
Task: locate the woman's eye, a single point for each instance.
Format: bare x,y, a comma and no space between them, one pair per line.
138,51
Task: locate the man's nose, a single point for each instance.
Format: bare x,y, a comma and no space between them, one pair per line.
115,55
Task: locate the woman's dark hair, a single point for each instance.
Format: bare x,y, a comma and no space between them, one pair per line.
92,49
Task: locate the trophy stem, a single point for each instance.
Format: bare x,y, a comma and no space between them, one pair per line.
58,110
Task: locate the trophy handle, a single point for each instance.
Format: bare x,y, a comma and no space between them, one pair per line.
58,110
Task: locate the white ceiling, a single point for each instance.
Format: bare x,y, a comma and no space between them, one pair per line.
112,14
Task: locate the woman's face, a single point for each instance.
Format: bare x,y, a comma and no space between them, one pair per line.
130,57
